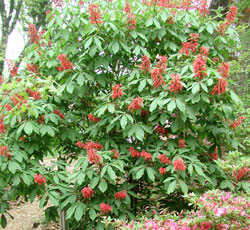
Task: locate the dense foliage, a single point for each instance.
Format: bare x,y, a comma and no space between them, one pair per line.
134,95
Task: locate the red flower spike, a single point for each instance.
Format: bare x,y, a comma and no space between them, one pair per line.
120,195
95,15
224,69
80,144
127,8
105,208
92,118
162,171
87,192
117,91
136,104
220,87
58,112
131,21
115,154
164,159
92,145
231,15
65,63
179,165
200,66
162,63
94,158
175,84
34,38
146,155
157,78
39,179
181,143
145,66
133,152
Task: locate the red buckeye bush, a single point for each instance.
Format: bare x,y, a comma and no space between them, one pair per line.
133,95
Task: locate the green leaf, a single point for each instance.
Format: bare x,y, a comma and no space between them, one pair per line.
3,221
171,105
104,169
124,121
151,174
111,173
53,199
149,22
92,213
139,173
103,185
70,211
196,88
115,47
139,133
235,98
28,128
172,187
153,105
137,50
79,212
183,186
94,182
142,85
209,28
111,108
180,105
88,43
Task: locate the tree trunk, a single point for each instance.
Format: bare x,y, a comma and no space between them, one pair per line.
3,47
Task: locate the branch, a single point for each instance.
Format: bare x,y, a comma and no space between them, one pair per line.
18,9
11,10
2,10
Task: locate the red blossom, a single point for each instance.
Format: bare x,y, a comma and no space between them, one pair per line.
214,155
157,78
59,113
181,143
237,123
58,3
2,126
134,153
204,51
161,130
220,87
92,118
87,192
65,63
94,158
22,139
190,45
8,107
162,171
131,21
215,59
241,172
1,80
164,159
162,63
80,144
221,28
117,91
18,100
224,69
136,104
115,154
41,119
179,165
5,152
92,145
120,195
200,66
39,179
32,68
127,8
144,113
145,66
175,83
33,34
231,15
146,155
95,15
105,208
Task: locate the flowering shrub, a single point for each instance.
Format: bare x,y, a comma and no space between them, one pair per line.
130,92
214,210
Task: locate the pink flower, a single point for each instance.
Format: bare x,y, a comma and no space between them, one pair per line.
179,165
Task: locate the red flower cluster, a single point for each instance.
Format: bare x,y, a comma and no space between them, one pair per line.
59,113
95,15
162,171
41,119
204,51
8,107
127,8
33,34
39,179
161,130
146,155
32,68
2,126
145,66
162,63
224,69
1,80
120,195
181,143
238,122
131,21
136,104
164,159
175,83
241,172
91,148
117,91
58,3
5,152
65,63
199,64
92,118
230,17
220,87
134,153
34,94
105,208
179,165
215,59
157,78
18,100
115,154
87,192
190,45
214,155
